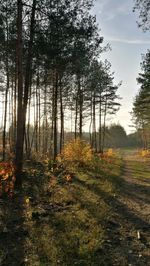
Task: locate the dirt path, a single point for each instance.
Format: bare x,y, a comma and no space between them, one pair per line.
137,187
130,224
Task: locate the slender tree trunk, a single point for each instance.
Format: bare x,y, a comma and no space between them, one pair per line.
23,101
51,151
28,144
100,123
55,115
39,121
37,114
5,115
61,120
104,126
15,108
91,118
12,116
6,92
45,118
76,116
20,135
80,107
29,64
94,125
71,120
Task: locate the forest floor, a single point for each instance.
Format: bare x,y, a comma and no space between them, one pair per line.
98,218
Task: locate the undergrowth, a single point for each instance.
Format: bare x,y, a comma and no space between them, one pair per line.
65,209
67,225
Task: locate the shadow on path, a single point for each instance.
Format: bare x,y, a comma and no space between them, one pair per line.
125,221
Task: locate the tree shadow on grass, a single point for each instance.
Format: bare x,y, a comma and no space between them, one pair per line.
137,188
12,233
137,192
71,242
56,242
134,170
116,248
116,205
129,247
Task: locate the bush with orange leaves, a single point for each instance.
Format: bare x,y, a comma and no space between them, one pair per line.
7,178
76,153
144,153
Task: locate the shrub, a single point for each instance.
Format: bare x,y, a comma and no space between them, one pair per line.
144,153
7,178
76,153
110,152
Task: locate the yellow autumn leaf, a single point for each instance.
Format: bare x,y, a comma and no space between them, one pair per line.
27,200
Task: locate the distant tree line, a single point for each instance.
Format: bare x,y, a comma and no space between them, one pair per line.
141,105
141,109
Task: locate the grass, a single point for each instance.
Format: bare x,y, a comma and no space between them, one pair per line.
139,166
139,169
77,222
67,224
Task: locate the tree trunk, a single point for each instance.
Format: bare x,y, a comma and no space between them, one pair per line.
39,121
55,115
5,116
6,92
23,101
61,120
37,115
80,107
91,118
45,137
94,141
20,136
15,108
76,116
100,123
104,126
28,144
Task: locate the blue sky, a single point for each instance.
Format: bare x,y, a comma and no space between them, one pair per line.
119,28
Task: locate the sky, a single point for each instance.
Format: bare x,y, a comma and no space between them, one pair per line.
119,28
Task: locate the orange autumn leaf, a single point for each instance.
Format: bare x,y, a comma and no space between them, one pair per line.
68,178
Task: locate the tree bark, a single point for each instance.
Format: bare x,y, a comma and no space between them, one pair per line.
55,115
6,92
100,123
23,97
94,141
20,136
61,119
80,107
5,116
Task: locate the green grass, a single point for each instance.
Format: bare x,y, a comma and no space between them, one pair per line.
72,231
80,222
140,168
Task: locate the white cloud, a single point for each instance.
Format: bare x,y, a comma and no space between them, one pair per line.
110,10
128,41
